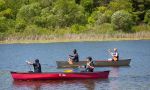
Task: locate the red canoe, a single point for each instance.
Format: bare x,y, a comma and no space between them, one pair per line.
59,75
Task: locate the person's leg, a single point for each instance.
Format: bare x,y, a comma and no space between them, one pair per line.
91,70
87,70
70,61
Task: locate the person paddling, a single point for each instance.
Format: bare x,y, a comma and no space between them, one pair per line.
115,54
89,67
74,57
36,65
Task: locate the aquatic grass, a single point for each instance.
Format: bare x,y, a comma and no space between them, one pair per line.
19,38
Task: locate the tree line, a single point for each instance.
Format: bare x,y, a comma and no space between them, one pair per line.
78,16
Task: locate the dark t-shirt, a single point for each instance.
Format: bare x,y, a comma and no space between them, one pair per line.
37,67
75,57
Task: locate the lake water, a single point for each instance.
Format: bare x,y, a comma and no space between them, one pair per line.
134,77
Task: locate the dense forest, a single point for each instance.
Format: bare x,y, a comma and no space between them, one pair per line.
30,19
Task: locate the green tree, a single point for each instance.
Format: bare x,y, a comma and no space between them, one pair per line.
147,17
116,5
47,3
15,5
88,5
100,16
140,7
122,20
2,4
3,24
20,25
67,13
28,12
5,11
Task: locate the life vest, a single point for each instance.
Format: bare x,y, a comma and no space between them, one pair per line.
116,57
90,65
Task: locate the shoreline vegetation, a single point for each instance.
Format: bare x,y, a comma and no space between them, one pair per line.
76,38
42,21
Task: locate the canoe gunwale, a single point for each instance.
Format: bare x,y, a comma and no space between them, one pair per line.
13,72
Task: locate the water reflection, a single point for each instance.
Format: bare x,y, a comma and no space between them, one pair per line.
57,84
114,84
88,84
114,72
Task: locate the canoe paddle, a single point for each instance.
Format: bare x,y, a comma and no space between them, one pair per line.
28,65
41,64
68,70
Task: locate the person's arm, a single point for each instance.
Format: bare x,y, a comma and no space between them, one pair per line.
28,62
70,55
74,57
91,65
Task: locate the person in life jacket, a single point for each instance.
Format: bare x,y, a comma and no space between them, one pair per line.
36,65
115,55
74,57
89,67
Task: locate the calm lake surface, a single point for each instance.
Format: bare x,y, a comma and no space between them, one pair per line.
134,77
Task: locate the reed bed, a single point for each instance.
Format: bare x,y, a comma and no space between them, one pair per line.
74,37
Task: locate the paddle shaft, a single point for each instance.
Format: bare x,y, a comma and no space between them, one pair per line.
29,66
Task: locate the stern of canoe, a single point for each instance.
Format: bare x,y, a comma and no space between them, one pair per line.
121,62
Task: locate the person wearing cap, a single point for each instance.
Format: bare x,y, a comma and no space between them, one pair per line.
89,65
115,55
74,57
36,65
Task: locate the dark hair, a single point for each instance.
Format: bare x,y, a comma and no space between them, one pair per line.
74,51
89,58
37,60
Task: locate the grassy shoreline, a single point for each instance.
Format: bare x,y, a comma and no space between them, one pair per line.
48,41
76,38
